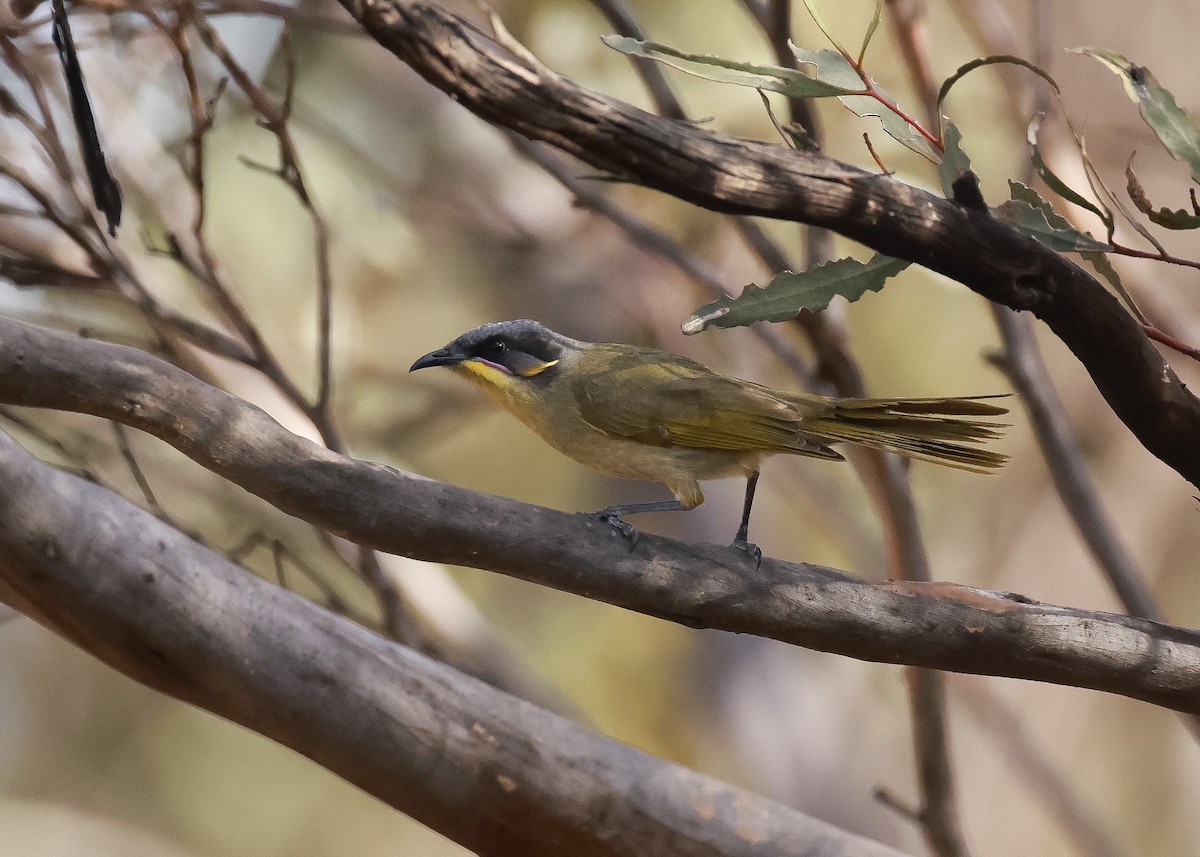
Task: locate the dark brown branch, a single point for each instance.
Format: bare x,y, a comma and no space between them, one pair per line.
936,625
496,774
748,177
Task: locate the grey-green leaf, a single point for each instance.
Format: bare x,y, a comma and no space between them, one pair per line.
834,69
790,292
1052,180
1005,59
1175,129
1031,214
955,162
1097,257
1164,217
786,81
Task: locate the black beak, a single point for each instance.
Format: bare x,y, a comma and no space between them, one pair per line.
447,356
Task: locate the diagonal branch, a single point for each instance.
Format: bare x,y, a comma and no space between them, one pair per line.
494,773
936,625
749,177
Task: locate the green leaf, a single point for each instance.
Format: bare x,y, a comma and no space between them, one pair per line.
1104,267
955,162
1165,217
1175,129
830,67
1097,258
1006,59
1031,214
815,14
834,69
790,292
833,75
786,81
870,30
1052,180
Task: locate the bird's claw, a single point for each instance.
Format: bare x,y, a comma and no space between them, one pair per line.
751,548
614,520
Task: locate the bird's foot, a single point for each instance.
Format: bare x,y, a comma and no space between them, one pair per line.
751,548
612,517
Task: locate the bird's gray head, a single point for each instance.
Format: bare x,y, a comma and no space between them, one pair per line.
522,347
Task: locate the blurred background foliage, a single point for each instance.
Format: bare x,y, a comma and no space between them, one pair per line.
439,225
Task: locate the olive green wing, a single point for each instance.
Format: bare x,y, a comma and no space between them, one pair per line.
665,400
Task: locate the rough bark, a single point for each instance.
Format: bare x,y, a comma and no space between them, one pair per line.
936,625
496,774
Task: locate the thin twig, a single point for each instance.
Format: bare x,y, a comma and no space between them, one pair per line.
774,18
910,29
622,20
78,463
275,120
281,556
135,469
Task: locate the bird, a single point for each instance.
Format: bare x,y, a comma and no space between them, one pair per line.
645,413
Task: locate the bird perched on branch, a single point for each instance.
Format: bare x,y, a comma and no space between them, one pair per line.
648,414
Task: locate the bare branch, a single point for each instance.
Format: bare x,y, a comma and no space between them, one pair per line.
486,769
937,625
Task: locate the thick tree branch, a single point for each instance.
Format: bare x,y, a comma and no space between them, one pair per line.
749,177
496,774
937,625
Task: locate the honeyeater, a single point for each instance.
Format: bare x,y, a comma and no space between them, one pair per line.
648,414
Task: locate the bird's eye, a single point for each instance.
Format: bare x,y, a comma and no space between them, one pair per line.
494,348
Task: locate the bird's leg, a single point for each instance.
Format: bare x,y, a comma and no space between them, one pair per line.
612,515
739,541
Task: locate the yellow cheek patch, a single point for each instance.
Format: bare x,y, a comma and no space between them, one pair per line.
486,372
538,369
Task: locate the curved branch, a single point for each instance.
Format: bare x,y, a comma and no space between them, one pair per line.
749,177
937,625
490,771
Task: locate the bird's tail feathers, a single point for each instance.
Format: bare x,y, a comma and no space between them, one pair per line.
946,431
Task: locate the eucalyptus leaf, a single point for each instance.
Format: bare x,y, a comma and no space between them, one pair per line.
1097,258
1030,213
871,30
1104,267
1173,126
1055,183
1164,217
955,162
790,292
996,59
833,75
834,69
786,81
